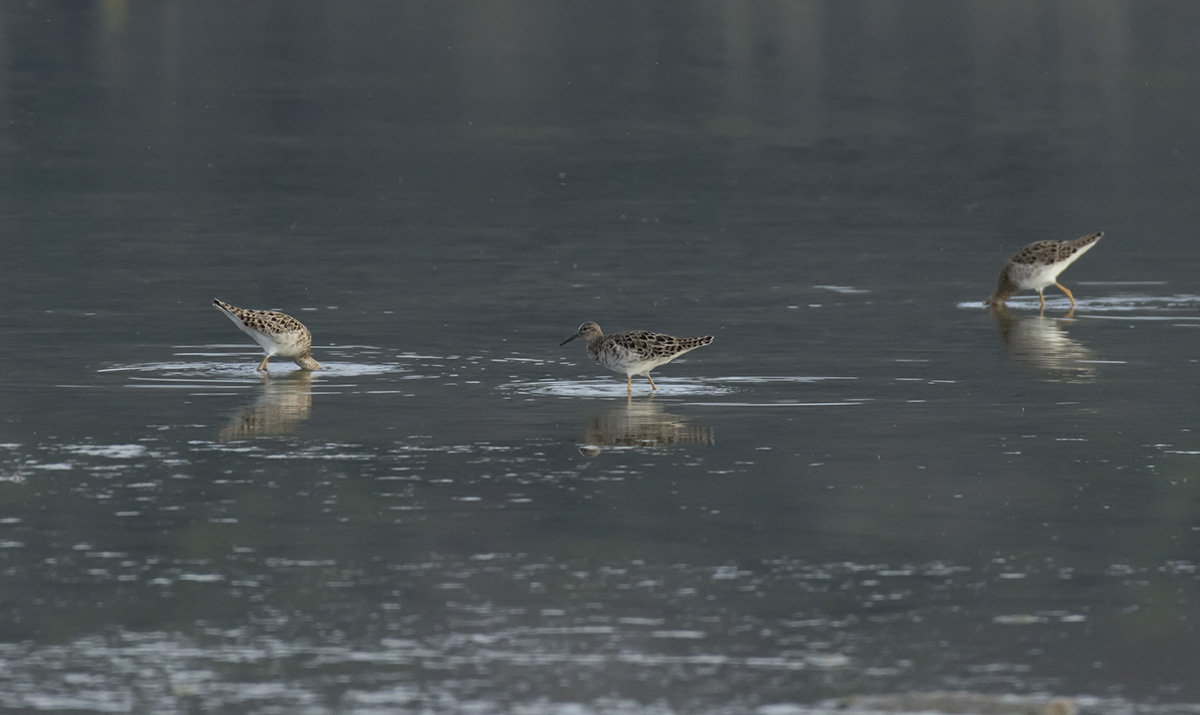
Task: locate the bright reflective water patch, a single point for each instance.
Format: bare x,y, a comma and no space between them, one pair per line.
221,372
780,403
774,379
1085,305
427,625
113,451
667,387
843,289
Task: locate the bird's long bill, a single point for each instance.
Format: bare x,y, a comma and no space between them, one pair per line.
576,335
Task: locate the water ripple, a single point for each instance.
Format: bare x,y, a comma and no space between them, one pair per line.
1107,304
667,387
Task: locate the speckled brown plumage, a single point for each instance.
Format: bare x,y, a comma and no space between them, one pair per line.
645,345
635,352
277,333
1037,266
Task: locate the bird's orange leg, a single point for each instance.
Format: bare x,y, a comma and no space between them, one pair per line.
652,385
629,384
1043,298
263,365
1063,288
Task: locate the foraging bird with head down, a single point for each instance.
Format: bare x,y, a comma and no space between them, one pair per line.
1037,266
277,334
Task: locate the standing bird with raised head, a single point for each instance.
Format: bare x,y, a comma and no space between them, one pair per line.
636,352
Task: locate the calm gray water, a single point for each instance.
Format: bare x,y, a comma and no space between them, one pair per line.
867,485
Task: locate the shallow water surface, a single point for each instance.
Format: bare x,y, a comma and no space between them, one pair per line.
870,493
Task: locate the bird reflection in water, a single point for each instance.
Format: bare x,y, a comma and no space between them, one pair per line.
640,424
1042,343
283,403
